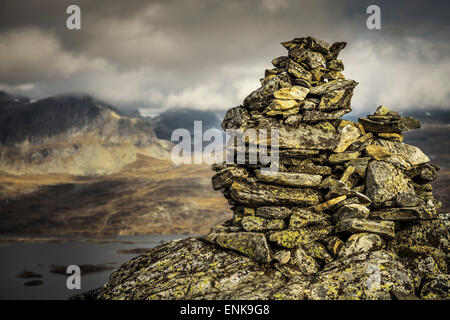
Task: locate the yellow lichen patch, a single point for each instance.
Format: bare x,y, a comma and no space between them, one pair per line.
377,152
391,136
249,211
282,105
294,93
326,205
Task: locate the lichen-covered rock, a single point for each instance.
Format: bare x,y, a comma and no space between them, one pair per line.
304,217
332,86
251,244
384,228
328,205
348,133
314,116
237,117
260,194
435,233
343,156
258,224
273,212
191,269
290,179
368,276
384,182
298,71
423,212
402,154
352,211
348,214
259,98
225,177
390,126
336,65
318,251
302,236
436,287
360,243
294,93
311,137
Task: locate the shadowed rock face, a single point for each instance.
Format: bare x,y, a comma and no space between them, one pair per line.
48,118
9,100
168,121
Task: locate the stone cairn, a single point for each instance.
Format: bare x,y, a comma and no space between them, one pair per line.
342,188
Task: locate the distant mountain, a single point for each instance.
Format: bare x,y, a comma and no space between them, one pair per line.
172,119
72,133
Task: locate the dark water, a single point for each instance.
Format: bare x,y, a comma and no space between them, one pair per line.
38,258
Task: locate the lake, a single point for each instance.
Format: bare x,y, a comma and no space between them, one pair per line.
38,254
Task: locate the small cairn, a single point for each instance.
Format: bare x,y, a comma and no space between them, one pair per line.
343,188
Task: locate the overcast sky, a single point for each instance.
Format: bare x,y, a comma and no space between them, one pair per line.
210,54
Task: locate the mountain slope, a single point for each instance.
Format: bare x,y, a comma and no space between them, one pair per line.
73,134
172,119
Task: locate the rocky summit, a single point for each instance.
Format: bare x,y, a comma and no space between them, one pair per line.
349,214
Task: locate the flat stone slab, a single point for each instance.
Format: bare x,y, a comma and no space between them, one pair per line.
258,224
294,238
394,126
384,228
261,194
253,245
290,179
310,137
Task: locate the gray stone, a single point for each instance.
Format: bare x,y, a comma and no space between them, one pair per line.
352,211
384,182
361,243
295,238
332,86
311,137
394,126
235,118
253,245
258,224
260,98
273,212
260,194
384,228
302,217
402,154
225,177
290,179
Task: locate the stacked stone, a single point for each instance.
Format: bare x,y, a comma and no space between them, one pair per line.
343,188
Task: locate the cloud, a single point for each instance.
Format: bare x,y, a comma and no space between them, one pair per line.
274,5
210,54
408,73
34,55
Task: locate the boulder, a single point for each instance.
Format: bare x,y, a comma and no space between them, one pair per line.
384,182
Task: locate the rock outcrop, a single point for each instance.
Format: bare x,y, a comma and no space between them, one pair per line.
348,215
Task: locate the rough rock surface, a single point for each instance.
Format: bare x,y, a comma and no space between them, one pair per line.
195,269
348,215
